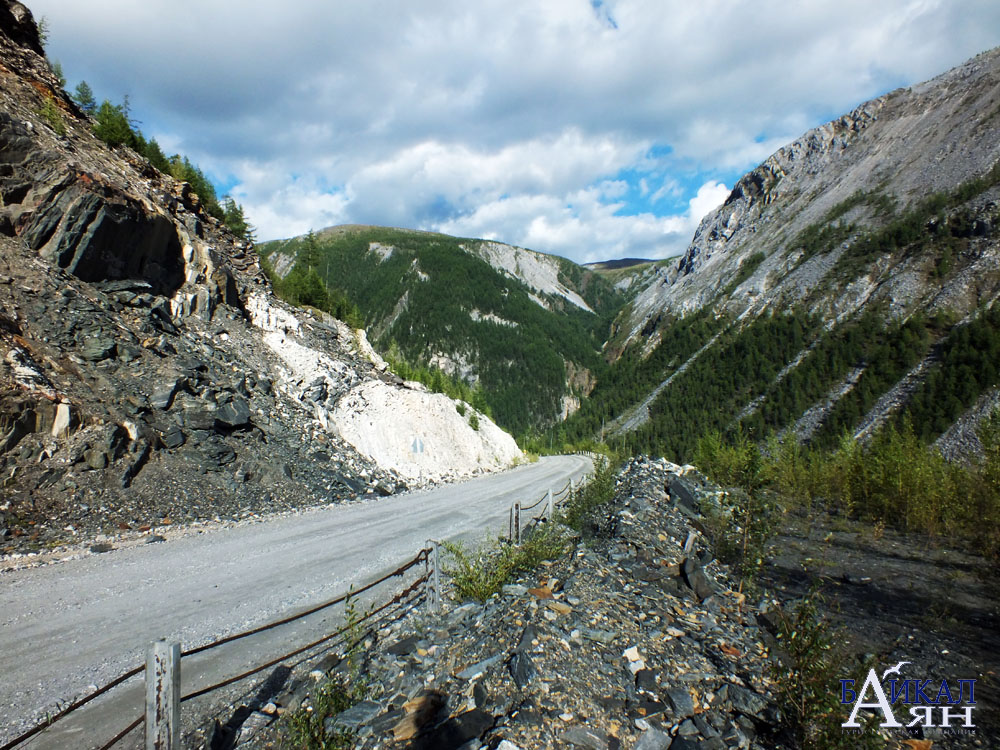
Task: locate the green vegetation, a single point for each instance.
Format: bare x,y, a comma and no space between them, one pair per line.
895,480
421,295
582,507
480,573
112,123
885,352
708,395
83,95
303,286
937,224
438,381
303,728
969,364
746,515
747,267
51,114
808,665
631,378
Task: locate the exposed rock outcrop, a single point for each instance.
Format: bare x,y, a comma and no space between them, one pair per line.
147,373
905,145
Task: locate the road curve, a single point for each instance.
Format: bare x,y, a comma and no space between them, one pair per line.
79,623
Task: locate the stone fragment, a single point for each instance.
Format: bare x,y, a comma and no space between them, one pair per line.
746,701
234,414
682,493
560,607
585,737
681,702
164,392
63,420
353,717
522,669
403,646
173,437
653,739
477,670
98,348
456,731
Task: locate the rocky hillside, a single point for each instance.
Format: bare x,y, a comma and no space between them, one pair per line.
879,234
147,373
638,638
526,327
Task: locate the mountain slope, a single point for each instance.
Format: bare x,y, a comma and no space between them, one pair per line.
847,280
147,372
526,327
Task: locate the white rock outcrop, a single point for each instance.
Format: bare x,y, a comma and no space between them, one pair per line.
420,435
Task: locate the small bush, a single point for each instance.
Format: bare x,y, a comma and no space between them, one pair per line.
460,408
479,574
474,421
304,728
806,676
51,114
582,505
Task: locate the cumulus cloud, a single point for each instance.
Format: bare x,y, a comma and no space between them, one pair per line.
535,123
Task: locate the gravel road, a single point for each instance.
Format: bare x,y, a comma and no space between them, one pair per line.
69,626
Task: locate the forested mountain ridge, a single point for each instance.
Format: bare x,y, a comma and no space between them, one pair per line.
526,329
847,283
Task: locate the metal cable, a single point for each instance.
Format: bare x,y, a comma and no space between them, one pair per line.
229,681
72,707
121,735
338,600
421,557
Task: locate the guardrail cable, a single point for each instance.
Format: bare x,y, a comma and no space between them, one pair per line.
49,721
249,673
72,707
313,610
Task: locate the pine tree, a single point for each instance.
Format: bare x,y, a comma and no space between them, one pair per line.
111,125
58,70
235,219
84,97
156,157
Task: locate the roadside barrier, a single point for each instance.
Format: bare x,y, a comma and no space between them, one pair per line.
163,661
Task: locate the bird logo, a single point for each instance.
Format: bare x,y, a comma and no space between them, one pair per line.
894,670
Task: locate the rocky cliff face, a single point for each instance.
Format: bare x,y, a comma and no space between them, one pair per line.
905,146
889,211
148,374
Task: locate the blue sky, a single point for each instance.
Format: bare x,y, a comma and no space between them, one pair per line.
589,128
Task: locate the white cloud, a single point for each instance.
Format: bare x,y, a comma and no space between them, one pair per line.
518,120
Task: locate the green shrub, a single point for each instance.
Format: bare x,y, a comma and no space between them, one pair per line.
480,573
806,676
584,502
304,728
51,114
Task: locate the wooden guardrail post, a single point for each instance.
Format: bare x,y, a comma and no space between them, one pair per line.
163,696
517,524
548,505
434,584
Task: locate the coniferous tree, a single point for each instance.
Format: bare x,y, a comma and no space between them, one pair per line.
84,97
111,125
58,70
156,157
